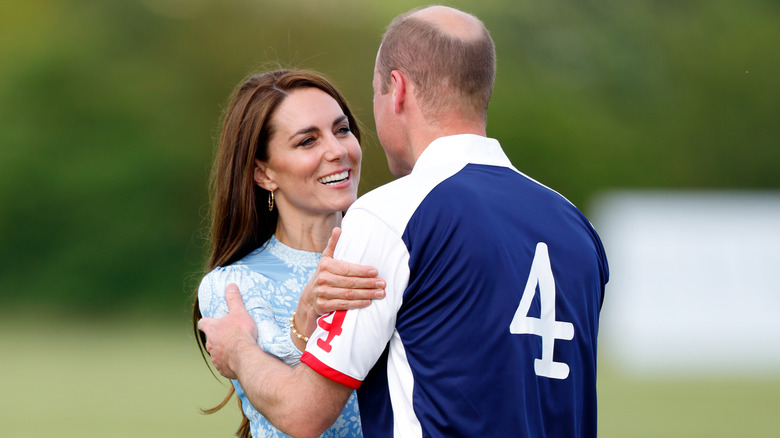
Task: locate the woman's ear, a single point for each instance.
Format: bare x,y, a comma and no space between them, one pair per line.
261,176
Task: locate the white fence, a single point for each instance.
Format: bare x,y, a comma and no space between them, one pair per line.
695,282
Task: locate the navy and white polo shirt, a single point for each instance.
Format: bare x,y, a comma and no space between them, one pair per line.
494,287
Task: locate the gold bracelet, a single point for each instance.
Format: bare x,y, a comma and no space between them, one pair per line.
295,332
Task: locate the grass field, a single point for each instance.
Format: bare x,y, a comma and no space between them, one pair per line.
146,379
113,379
683,408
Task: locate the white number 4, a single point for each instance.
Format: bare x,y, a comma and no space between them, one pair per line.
545,326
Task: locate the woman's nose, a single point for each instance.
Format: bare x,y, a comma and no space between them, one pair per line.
335,149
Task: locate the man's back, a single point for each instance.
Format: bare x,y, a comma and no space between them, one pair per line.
495,331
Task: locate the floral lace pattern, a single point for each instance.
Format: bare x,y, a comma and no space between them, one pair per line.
271,279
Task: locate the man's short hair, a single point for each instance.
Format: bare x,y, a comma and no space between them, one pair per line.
448,72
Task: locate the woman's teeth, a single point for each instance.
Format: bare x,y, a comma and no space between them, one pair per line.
335,178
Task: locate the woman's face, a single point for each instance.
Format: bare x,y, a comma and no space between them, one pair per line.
313,161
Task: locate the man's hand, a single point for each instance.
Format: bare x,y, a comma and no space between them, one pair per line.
336,285
226,335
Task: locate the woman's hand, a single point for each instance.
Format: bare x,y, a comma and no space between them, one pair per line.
335,285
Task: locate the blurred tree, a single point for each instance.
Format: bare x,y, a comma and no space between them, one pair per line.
109,111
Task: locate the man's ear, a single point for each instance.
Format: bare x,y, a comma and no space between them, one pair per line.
398,90
261,176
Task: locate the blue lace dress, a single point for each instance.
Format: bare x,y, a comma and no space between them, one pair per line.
271,279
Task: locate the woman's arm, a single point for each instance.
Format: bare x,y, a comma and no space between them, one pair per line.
335,285
297,400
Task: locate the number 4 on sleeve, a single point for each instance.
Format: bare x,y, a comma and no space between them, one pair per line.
333,328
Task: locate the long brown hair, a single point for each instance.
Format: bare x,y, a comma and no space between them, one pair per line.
240,219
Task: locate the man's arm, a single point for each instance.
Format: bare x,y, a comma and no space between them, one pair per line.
335,285
298,401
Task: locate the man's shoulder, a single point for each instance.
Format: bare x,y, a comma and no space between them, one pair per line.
385,193
395,202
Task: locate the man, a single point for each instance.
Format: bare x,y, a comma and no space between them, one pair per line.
494,283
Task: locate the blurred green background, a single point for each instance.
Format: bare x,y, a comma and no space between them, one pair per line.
109,112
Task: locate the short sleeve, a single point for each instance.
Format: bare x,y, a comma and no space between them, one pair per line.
346,344
211,296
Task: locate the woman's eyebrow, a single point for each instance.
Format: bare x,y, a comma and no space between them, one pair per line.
306,130
339,120
310,129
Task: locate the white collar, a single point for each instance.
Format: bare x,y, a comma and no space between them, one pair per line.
462,148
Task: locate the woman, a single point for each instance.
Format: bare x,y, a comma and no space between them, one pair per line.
287,166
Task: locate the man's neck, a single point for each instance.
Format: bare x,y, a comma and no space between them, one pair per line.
428,134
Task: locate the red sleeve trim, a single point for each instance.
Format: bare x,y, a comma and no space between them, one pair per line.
326,371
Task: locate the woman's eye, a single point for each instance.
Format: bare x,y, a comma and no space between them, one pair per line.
344,130
306,141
